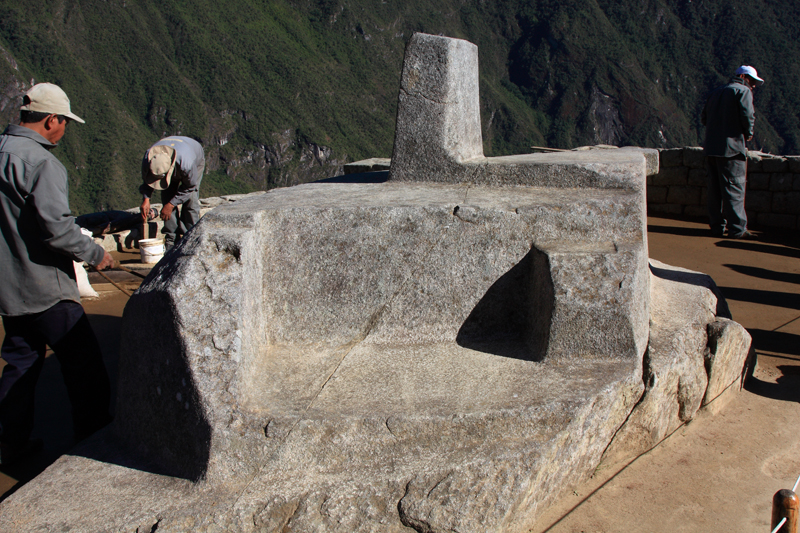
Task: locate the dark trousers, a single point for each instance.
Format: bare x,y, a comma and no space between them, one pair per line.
183,218
66,329
727,178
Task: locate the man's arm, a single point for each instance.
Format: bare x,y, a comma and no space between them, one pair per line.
59,230
704,114
747,114
145,189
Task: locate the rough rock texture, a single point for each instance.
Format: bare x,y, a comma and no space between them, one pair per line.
340,357
278,320
438,134
728,348
694,354
432,353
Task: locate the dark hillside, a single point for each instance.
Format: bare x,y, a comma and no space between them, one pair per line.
284,92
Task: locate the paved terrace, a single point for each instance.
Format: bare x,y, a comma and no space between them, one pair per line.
716,474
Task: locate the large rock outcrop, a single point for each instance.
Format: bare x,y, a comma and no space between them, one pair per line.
443,351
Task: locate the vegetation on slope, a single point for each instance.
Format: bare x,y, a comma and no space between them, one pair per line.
286,91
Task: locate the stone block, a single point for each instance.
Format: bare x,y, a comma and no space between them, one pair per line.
794,163
672,176
694,157
664,209
728,348
774,164
754,165
718,404
786,202
758,181
796,182
781,182
759,201
657,195
438,133
698,177
374,164
651,157
683,303
291,331
683,195
438,121
671,157
772,220
697,211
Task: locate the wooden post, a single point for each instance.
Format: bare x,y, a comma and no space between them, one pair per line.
786,504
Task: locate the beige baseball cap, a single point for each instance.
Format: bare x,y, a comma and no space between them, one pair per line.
48,98
162,165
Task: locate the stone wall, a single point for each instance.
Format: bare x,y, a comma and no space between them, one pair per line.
773,188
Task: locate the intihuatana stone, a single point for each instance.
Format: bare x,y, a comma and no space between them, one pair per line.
444,351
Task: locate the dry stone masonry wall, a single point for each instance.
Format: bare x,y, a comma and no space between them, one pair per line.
773,188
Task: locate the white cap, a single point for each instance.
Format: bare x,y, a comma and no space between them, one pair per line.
750,72
48,98
162,164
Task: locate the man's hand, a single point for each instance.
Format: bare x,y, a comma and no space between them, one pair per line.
145,208
107,262
749,139
166,211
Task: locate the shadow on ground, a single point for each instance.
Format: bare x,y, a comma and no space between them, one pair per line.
787,300
53,414
764,273
786,250
684,232
786,387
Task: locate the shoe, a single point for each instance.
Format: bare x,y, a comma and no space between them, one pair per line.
745,236
11,454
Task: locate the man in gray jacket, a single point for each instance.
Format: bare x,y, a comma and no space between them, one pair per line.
174,166
39,299
729,118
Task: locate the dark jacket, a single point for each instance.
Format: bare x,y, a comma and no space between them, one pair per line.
189,165
729,117
40,236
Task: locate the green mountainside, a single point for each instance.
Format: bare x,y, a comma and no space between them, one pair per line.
286,91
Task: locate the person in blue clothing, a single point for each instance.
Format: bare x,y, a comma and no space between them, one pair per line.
729,118
174,166
39,298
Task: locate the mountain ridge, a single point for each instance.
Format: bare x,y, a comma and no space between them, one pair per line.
288,91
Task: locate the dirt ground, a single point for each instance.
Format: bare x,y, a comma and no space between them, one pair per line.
718,473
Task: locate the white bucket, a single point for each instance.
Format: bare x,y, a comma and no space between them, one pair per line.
152,250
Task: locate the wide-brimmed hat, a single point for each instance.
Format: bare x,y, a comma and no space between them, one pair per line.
48,98
750,72
162,165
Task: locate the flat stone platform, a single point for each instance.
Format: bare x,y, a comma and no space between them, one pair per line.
737,443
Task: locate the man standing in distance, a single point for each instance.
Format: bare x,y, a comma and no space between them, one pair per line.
174,166
39,298
729,118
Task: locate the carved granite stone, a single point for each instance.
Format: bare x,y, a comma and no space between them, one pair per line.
444,351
